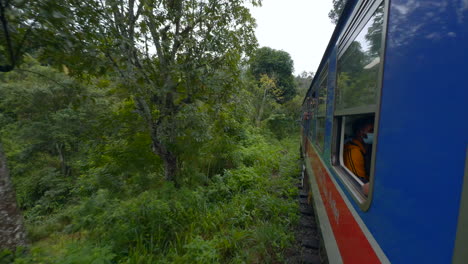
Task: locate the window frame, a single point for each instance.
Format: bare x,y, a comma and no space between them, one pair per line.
360,17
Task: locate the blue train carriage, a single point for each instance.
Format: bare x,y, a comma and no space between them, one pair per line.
402,64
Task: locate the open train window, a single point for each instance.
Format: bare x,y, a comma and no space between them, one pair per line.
356,98
352,154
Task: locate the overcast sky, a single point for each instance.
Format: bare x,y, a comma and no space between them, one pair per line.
300,27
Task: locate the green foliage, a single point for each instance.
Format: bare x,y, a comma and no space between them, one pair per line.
6,256
74,252
243,215
277,65
200,251
77,254
198,46
47,116
82,151
274,98
281,125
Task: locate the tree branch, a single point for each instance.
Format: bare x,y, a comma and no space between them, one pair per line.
156,41
131,23
114,63
43,76
20,46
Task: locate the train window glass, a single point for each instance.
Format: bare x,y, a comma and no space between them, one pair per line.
321,111
305,114
358,68
322,96
313,109
320,137
356,97
308,114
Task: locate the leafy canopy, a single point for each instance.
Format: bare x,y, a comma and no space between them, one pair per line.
277,65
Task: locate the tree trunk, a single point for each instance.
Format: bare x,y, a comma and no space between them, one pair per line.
12,232
170,166
63,165
168,157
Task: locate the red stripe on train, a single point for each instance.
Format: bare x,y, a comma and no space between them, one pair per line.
352,243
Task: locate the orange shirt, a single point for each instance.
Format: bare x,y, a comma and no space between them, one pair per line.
353,157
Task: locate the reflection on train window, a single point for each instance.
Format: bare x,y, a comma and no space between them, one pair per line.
358,69
307,114
312,106
356,98
321,110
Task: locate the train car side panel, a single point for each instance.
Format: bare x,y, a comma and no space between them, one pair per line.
422,132
416,211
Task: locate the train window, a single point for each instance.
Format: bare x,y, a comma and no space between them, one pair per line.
321,110
358,69
313,108
308,114
356,134
356,98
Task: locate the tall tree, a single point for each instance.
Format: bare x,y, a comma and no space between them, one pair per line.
170,55
266,84
279,66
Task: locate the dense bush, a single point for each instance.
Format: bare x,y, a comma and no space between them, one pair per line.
242,215
93,191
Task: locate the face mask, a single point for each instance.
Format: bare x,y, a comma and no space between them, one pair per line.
369,139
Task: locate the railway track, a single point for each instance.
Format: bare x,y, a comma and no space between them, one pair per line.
307,248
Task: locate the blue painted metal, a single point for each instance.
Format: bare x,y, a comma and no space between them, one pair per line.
423,129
